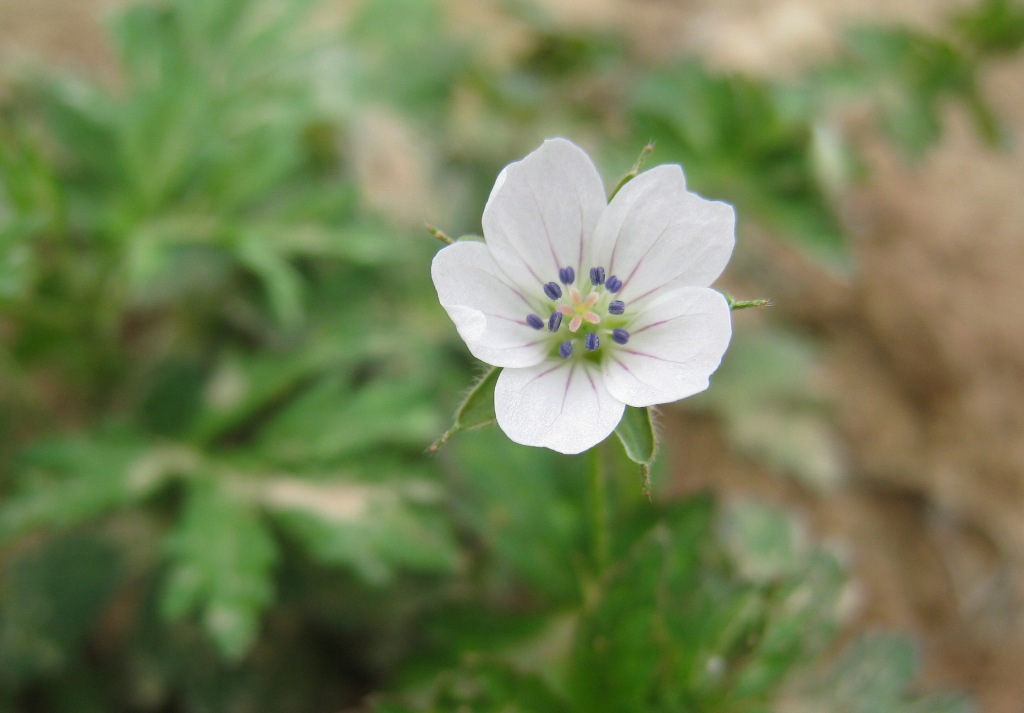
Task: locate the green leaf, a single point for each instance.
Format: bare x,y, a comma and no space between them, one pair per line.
485,686
281,282
772,411
633,638
173,397
765,544
398,35
525,504
941,703
243,385
907,74
636,432
222,558
52,595
672,627
872,675
741,140
374,530
995,26
67,482
476,410
83,119
332,420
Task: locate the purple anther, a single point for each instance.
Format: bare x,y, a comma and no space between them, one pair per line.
565,349
567,275
534,321
620,336
552,290
613,284
616,307
591,341
554,321
597,276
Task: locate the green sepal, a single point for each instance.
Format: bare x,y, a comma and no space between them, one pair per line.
444,238
735,304
476,410
636,431
633,172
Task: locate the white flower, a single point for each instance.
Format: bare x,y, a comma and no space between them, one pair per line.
587,305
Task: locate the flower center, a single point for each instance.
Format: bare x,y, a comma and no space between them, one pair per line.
580,309
593,321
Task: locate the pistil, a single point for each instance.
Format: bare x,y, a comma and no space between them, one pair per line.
580,310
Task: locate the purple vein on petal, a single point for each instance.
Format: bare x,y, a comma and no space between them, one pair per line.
630,372
501,316
625,283
568,383
618,235
521,345
593,387
543,374
652,356
652,325
579,259
533,343
529,268
547,233
514,290
693,259
623,365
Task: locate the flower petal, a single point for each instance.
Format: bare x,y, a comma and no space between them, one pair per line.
488,311
656,236
542,212
674,346
561,405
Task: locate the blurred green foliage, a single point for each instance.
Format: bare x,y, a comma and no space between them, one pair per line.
221,366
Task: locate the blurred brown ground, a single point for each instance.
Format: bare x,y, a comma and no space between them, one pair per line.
925,343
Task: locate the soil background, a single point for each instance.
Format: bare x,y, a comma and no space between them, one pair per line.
924,343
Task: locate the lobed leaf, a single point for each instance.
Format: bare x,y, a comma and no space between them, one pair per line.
221,565
374,530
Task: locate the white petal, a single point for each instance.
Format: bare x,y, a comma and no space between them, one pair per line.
674,346
656,236
542,212
561,405
488,310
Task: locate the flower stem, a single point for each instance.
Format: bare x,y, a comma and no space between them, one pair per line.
598,511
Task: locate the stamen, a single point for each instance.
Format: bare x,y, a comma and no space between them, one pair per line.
616,307
567,275
565,349
597,276
591,342
613,284
552,290
534,321
554,321
620,336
